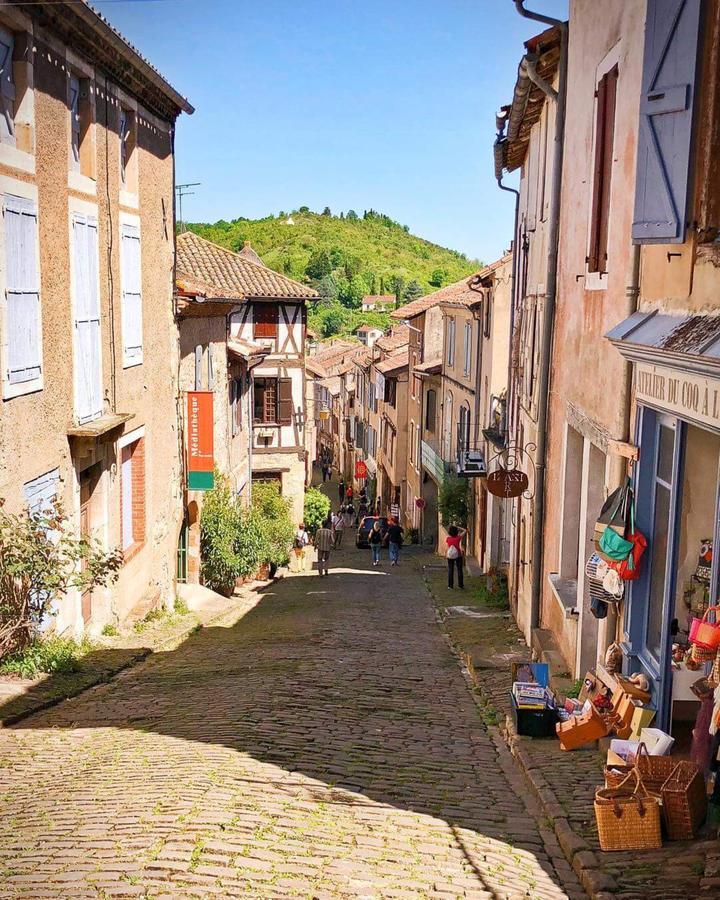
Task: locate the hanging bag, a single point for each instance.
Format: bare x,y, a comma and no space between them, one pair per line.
613,512
704,634
629,568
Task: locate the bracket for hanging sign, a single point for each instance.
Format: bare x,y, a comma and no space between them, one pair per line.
509,480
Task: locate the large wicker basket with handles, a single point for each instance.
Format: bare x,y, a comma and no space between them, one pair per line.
628,816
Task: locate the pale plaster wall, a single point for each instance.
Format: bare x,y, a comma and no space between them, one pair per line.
586,371
33,428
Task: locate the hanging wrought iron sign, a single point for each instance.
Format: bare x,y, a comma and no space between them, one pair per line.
507,483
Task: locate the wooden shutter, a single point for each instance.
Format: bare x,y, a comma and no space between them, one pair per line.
7,88
24,348
41,493
126,490
131,279
286,401
75,123
672,29
88,371
265,320
602,173
198,367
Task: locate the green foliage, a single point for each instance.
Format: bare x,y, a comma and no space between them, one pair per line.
110,630
275,521
326,211
437,278
317,508
41,559
336,320
374,247
181,607
413,291
319,265
454,501
327,288
53,655
574,690
357,289
493,591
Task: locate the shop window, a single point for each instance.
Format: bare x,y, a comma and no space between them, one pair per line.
606,94
132,494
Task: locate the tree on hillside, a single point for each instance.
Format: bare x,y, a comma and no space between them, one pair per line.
397,286
333,320
304,209
319,265
352,215
342,215
356,289
353,265
437,278
336,257
327,288
326,211
413,291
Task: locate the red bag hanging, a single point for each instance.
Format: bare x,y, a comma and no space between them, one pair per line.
629,569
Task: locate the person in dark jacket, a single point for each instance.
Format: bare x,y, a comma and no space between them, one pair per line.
341,490
375,539
394,538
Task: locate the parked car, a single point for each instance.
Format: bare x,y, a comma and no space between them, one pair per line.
366,526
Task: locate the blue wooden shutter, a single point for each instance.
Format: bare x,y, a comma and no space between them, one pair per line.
132,313
41,493
23,291
666,118
88,371
7,88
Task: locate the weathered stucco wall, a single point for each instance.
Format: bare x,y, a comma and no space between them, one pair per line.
33,428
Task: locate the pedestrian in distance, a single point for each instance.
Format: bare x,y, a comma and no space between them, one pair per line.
338,527
375,539
325,472
300,543
349,493
454,556
341,490
395,540
323,544
348,515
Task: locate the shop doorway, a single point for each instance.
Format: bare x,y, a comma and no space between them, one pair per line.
429,520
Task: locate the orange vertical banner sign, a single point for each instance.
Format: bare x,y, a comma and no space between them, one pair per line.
200,451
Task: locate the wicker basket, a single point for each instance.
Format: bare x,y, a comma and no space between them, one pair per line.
628,817
684,801
700,654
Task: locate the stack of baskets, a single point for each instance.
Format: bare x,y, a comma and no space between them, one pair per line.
628,816
678,785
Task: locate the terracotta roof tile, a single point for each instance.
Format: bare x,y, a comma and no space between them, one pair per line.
399,335
231,275
396,361
379,298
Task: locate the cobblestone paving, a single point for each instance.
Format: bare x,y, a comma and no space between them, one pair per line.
323,745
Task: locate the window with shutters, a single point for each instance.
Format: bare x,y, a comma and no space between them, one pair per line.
273,401
86,313
265,320
430,411
198,367
131,284
132,497
22,344
17,134
605,103
127,136
450,339
7,87
390,391
236,405
467,349
82,154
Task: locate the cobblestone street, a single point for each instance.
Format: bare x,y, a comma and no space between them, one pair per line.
325,744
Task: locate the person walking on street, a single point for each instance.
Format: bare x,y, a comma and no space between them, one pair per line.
348,515
341,490
300,542
338,527
375,539
325,472
323,545
454,555
395,539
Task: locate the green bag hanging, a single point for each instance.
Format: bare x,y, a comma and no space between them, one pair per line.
614,545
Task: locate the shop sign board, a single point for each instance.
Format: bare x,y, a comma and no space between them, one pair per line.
689,396
507,483
360,469
200,454
420,503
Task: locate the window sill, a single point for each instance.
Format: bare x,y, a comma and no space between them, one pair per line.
129,198
565,592
11,391
132,551
132,363
17,159
594,281
82,183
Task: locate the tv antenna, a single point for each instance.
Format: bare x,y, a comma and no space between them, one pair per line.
183,190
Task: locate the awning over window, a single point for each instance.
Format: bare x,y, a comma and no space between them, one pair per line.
690,342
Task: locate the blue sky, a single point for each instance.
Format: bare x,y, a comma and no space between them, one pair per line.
387,104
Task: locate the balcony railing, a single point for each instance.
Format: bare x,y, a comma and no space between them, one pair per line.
470,457
432,461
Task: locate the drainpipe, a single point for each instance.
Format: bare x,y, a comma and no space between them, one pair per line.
559,99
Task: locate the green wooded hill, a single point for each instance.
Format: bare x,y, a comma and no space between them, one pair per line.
370,248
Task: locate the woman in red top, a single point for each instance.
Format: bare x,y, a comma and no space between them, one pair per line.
454,555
